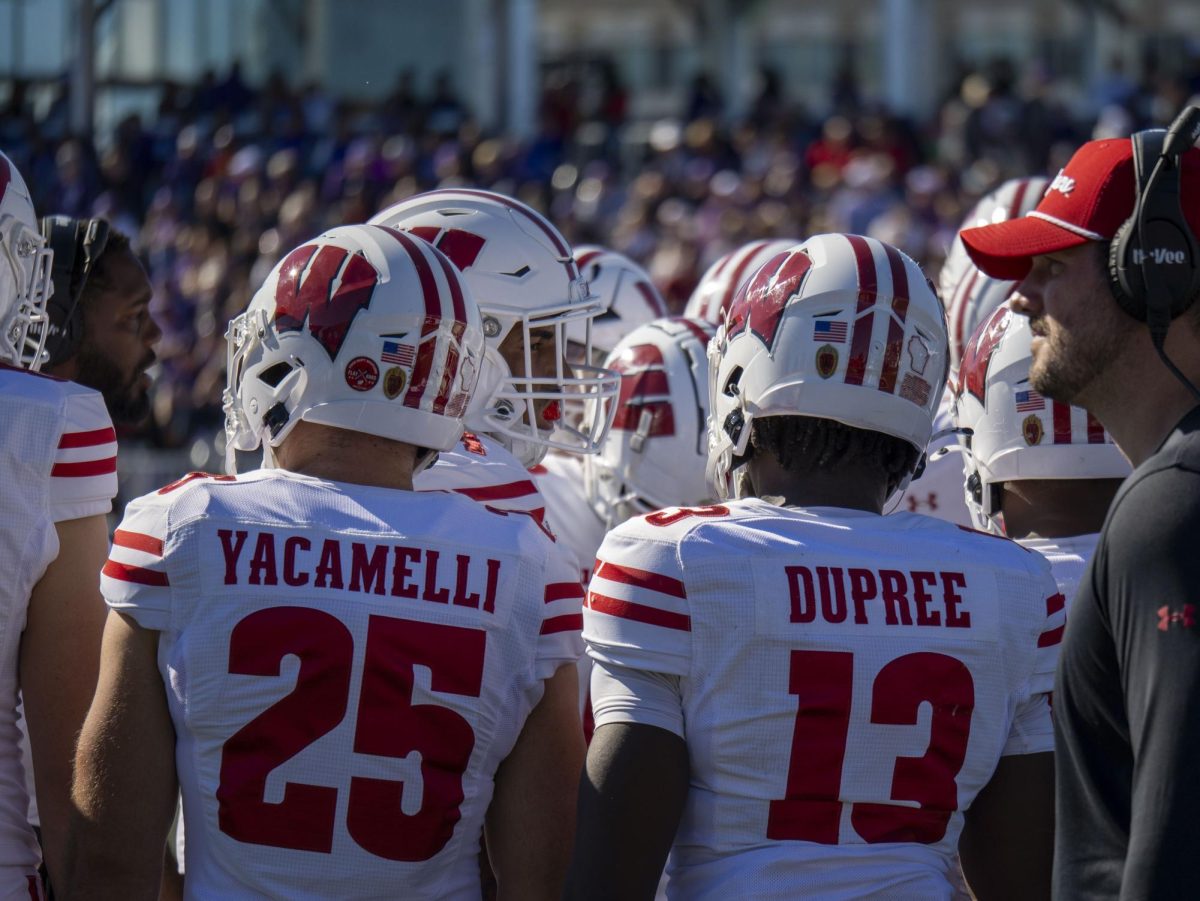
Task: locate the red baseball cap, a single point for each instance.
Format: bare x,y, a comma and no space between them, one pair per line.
1087,201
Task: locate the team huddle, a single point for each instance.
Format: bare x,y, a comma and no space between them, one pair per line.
539,588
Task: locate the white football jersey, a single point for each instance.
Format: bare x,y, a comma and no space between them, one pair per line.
346,667
846,684
483,469
58,456
939,492
560,480
1068,558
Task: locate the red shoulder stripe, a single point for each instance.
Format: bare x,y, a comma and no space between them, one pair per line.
136,574
84,469
87,439
1051,637
506,491
138,541
560,591
639,612
571,622
640,578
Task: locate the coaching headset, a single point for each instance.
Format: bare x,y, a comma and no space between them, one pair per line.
1154,258
77,245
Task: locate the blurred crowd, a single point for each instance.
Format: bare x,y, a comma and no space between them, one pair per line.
227,177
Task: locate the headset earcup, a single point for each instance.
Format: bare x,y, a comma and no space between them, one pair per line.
1126,295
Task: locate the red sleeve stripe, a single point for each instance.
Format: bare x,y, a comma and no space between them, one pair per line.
84,469
138,541
640,578
504,492
561,591
1055,603
87,439
137,574
1050,638
639,612
571,622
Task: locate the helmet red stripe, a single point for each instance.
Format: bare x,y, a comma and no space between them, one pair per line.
5,176
1095,431
586,257
895,341
433,316
748,253
1062,422
459,327
960,299
648,294
864,325
1019,196
701,329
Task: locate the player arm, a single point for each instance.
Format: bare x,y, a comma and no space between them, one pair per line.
59,660
634,788
125,784
1007,842
530,820
1154,612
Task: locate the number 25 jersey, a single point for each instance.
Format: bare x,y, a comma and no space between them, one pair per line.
846,684
346,668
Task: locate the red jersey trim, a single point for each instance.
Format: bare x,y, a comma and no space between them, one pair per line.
560,591
138,541
139,575
1051,638
87,439
506,491
639,612
571,622
84,469
640,578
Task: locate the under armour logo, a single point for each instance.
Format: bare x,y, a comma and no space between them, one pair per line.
1064,184
1185,617
914,504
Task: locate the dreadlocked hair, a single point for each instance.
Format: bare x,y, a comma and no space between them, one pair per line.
805,444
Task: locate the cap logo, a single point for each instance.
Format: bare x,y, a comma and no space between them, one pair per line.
1064,184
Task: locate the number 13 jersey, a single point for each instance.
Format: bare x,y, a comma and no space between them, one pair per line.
845,682
346,668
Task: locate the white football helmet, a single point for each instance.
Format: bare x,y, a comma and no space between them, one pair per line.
724,278
968,295
1016,433
656,452
840,327
25,283
521,273
364,328
627,292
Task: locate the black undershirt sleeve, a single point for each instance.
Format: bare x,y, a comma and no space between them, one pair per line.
1152,601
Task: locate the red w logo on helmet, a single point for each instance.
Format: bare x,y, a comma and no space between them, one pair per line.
759,305
972,372
326,290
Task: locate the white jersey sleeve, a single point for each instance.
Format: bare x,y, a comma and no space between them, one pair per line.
637,612
83,477
135,579
559,641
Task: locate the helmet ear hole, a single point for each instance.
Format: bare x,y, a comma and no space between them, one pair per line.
731,384
273,375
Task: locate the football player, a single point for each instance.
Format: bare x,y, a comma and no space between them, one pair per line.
630,301
969,297
349,679
58,459
101,332
795,695
1040,471
722,280
529,290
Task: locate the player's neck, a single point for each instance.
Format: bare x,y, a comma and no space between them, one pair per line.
340,455
1056,508
851,488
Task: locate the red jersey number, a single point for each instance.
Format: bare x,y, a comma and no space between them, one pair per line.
387,724
824,683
